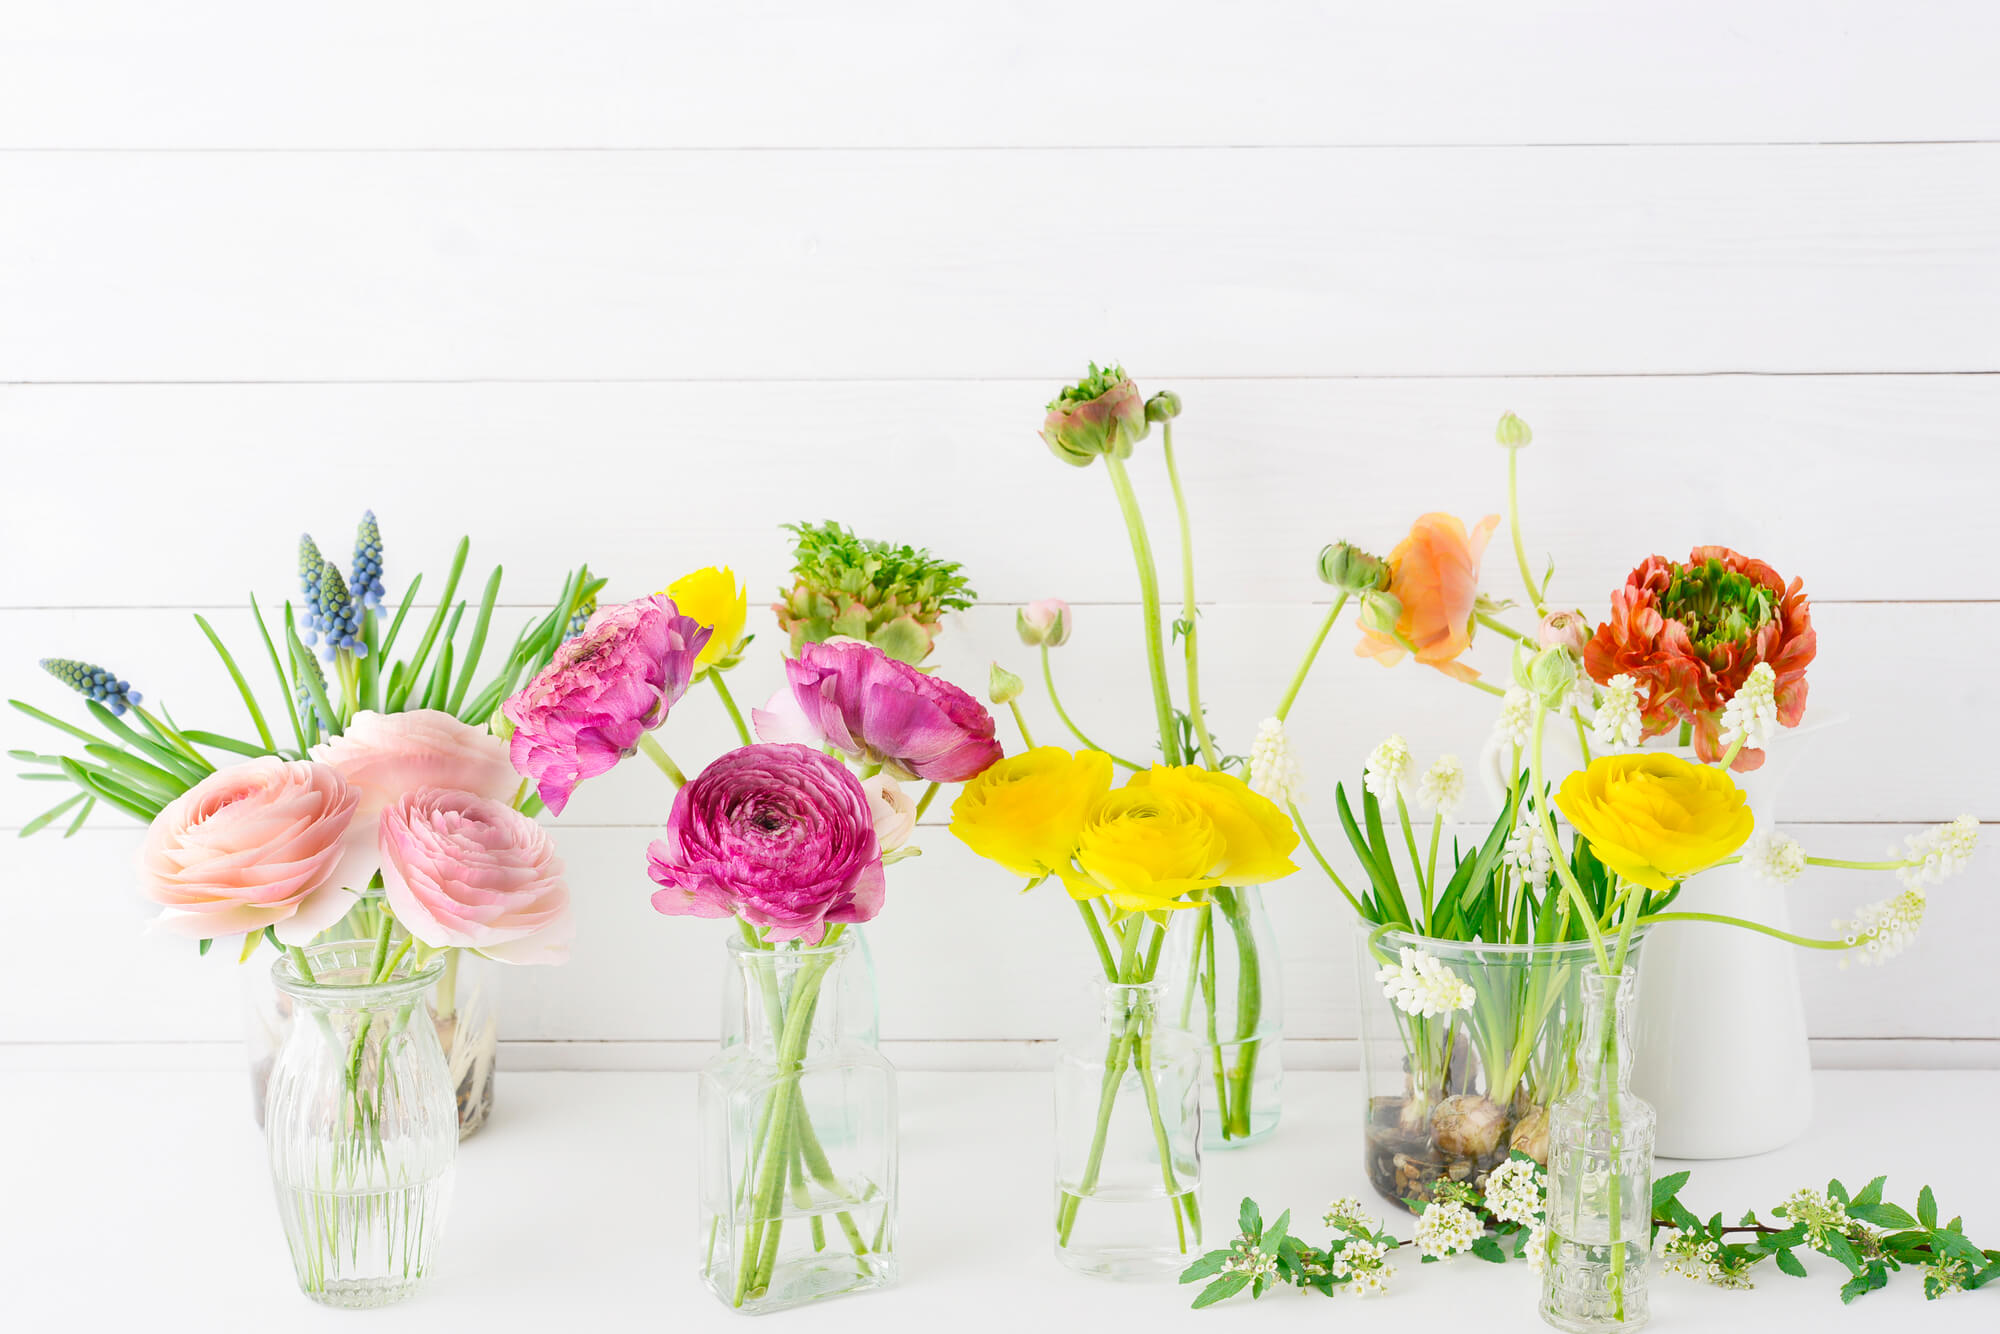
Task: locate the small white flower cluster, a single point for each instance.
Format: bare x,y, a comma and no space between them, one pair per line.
1527,849
1939,853
1346,1214
1617,723
1945,1274
1883,930
1442,787
1514,1191
1274,770
1388,768
1773,858
1751,714
1536,1249
1447,1227
1252,1262
1365,1266
1517,717
1696,1257
1819,1215
1420,984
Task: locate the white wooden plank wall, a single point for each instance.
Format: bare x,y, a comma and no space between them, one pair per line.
635,283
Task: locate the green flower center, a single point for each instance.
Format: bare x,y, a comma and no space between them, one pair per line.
1717,605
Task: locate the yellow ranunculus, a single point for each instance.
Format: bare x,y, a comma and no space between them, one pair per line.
714,598
1146,850
1259,836
1026,811
1656,818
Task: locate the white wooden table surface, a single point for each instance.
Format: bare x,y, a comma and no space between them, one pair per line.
139,1201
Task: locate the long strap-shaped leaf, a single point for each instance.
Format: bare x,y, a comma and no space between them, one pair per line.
242,686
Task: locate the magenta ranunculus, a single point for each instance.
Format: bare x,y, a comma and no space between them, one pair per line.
862,702
604,690
779,835
469,872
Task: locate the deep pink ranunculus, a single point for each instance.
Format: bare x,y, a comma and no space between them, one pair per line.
862,702
779,835
604,690
465,871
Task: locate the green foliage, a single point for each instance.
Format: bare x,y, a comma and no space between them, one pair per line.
1265,1257
891,596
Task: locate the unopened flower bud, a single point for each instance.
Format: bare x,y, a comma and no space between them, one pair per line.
1550,676
1380,610
1099,414
1163,406
1003,686
1043,622
1564,629
1512,432
1349,568
501,725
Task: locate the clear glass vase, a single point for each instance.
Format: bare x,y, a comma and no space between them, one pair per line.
1600,1205
798,1134
1227,990
360,1126
1451,1096
1128,1140
465,1006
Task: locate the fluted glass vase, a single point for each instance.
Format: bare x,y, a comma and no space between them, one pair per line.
1128,1139
1226,990
798,1133
360,1125
1600,1200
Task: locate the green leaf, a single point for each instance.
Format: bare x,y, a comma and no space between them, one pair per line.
1927,1207
431,631
1205,1267
1836,1191
284,681
314,689
138,773
1876,1275
236,675
170,735
1667,1187
168,758
1487,1249
1882,1215
1789,1263
1277,1232
477,644
216,741
53,721
1222,1288
132,803
409,600
1248,1218
1871,1193
203,950
49,816
90,804
1949,1240
1842,1250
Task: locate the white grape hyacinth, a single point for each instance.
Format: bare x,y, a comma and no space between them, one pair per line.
1751,715
1774,859
1939,853
1388,769
1274,769
1442,787
1527,848
1881,931
1516,722
1421,985
1617,723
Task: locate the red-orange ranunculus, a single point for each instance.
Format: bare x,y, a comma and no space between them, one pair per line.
1690,633
1434,573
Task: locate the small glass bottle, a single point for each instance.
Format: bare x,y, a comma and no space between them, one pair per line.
1227,990
1600,1203
798,1134
1128,1140
360,1125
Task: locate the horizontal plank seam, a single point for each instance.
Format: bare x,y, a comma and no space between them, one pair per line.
1058,375
692,150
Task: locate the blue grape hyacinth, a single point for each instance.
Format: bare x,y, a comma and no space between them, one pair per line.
336,615
303,695
93,682
584,611
365,584
311,565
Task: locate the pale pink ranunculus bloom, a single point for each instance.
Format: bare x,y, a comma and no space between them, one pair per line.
383,756
895,811
258,844
465,871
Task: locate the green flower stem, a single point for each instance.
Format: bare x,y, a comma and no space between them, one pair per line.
300,962
1431,866
1236,1109
1096,937
729,705
1189,613
1807,942
520,794
1858,866
1312,655
1556,859
1488,687
1514,526
1305,836
924,802
1149,597
1582,734
1049,680
658,755
1416,857
1027,738
1494,623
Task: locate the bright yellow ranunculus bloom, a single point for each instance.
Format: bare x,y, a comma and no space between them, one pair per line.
713,597
1259,836
1655,818
1026,811
1146,850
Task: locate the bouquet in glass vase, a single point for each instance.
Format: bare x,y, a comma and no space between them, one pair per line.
391,712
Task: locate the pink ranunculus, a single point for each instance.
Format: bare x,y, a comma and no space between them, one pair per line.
604,690
862,702
385,755
257,844
465,871
779,835
1044,622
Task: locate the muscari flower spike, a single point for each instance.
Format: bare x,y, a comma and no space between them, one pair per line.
584,611
93,682
304,697
311,565
365,584
335,614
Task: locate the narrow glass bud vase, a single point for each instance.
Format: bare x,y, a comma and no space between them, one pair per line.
1600,1204
1128,1140
798,1133
361,1125
1227,991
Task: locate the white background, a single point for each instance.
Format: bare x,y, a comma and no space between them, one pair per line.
634,284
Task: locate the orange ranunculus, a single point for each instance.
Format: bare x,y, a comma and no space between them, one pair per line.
1434,573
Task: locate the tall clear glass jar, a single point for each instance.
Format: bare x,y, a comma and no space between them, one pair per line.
1451,1096
360,1125
1227,990
1128,1139
1600,1204
465,1006
798,1133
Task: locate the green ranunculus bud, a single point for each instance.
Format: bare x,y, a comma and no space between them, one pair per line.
1550,676
1380,610
501,725
1512,431
1163,406
1348,567
1100,414
1002,686
1043,622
